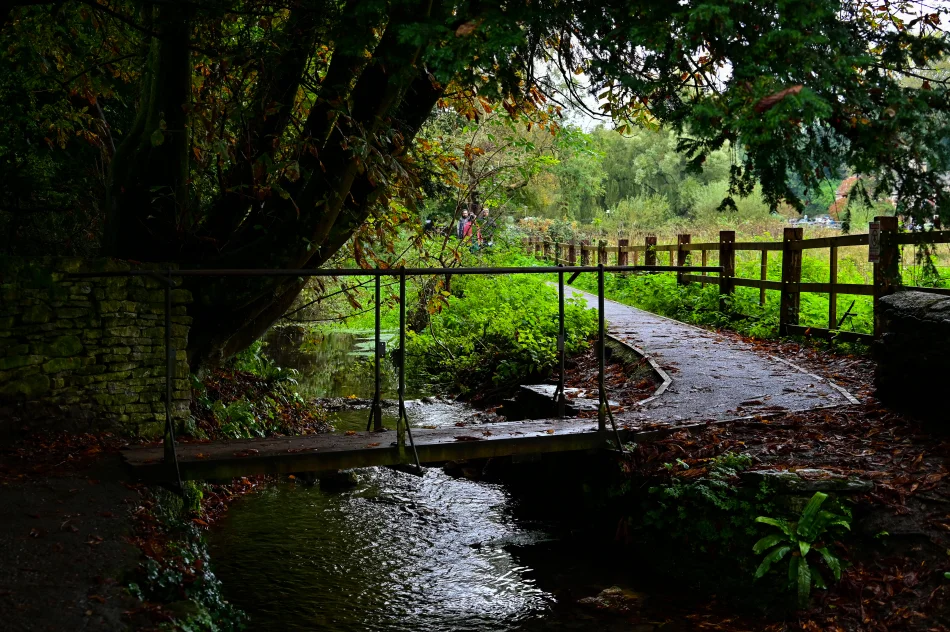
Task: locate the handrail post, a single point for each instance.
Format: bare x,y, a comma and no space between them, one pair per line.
791,278
585,252
602,252
376,413
887,274
171,454
402,420
682,256
705,258
561,398
601,352
649,256
727,259
763,274
622,255
572,253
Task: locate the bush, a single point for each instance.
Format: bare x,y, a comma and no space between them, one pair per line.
495,330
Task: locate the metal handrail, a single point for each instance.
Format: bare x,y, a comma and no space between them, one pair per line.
402,423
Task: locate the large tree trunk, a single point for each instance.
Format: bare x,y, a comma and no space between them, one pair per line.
153,217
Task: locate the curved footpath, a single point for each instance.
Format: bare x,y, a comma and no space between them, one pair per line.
711,377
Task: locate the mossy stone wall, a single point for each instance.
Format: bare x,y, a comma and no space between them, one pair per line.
87,354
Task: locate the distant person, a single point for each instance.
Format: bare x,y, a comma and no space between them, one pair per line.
486,228
464,226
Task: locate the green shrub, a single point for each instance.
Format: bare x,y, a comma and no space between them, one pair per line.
493,330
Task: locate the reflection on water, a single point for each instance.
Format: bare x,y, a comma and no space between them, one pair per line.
398,553
402,552
334,363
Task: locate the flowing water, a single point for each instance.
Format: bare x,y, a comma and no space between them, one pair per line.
404,552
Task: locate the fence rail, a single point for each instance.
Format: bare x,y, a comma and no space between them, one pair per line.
886,276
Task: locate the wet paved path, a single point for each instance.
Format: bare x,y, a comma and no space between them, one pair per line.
713,377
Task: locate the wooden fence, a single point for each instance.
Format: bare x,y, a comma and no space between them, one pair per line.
886,269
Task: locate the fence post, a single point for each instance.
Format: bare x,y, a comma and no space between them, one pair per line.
763,275
887,274
705,259
791,278
546,250
649,256
833,292
622,255
572,254
727,259
682,256
602,252
557,252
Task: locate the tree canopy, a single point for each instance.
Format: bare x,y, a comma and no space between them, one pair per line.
247,133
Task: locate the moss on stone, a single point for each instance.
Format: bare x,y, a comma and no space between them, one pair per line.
56,365
15,362
36,314
29,388
61,347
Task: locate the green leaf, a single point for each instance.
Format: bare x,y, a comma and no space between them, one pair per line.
157,138
818,580
804,547
808,525
804,582
784,525
833,562
767,542
773,556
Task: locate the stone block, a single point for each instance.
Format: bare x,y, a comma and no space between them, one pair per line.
913,354
115,399
29,388
60,347
15,362
62,364
21,349
39,313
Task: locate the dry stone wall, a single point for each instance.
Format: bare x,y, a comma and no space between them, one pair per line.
913,354
87,353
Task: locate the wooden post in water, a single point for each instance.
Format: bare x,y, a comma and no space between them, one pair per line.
727,259
649,257
833,292
763,275
682,256
887,273
791,278
622,255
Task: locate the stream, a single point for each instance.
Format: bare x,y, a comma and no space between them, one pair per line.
405,552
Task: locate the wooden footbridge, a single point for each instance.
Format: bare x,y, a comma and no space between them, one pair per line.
715,378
